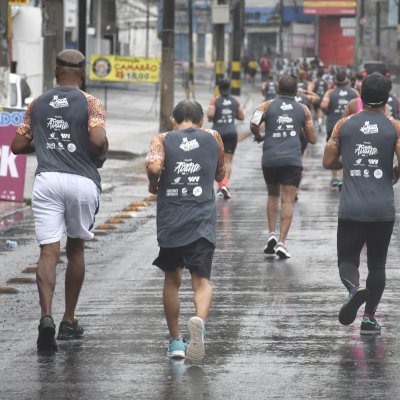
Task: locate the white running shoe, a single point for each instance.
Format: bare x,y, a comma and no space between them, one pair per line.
281,251
272,241
195,349
225,192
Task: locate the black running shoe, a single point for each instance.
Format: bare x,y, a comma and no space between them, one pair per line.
47,330
272,241
69,331
348,312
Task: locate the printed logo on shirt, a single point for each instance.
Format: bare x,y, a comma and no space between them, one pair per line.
358,162
227,102
58,103
343,102
188,145
176,180
65,136
52,135
60,145
355,172
172,193
369,129
366,173
197,191
293,133
57,123
193,179
185,168
71,147
378,173
373,161
284,119
51,146
343,93
286,107
184,191
277,135
365,150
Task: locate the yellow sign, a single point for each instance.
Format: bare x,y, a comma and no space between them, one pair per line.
124,69
18,2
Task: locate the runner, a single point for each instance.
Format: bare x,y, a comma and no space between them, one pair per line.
269,88
222,111
393,106
366,143
281,162
333,104
182,165
67,126
320,87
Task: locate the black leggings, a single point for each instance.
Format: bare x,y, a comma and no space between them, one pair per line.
351,237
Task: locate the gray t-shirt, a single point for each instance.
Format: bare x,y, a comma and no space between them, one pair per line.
186,209
339,98
226,108
284,120
60,119
367,142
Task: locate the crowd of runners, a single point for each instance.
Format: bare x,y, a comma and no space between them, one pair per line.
65,128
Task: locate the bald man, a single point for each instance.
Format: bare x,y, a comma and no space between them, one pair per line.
65,127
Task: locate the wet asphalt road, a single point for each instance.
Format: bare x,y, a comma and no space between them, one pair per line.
272,332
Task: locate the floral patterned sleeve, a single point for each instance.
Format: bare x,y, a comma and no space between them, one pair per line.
221,159
25,129
334,140
97,113
156,153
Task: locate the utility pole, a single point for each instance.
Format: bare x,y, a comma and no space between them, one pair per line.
82,11
237,46
4,55
53,38
147,27
191,63
281,28
167,65
219,42
359,39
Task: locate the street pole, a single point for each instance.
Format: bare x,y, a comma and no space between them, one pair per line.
219,38
82,11
280,28
4,54
237,46
53,38
167,65
147,27
191,62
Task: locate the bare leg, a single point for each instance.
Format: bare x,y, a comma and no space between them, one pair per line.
272,205
228,164
46,275
172,283
202,295
74,276
287,203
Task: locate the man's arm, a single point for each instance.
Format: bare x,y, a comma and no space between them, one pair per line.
308,126
22,142
240,112
332,151
221,169
257,119
396,169
211,109
326,100
99,143
155,161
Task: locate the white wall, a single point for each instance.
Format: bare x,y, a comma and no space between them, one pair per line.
28,46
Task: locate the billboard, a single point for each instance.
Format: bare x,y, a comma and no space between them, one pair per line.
12,167
124,69
330,7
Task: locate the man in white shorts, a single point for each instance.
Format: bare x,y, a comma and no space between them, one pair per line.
65,127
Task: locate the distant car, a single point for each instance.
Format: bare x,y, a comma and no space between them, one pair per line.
369,67
18,92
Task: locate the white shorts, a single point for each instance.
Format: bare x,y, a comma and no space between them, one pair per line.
64,203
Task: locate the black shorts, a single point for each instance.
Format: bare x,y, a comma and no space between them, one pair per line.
288,175
196,257
230,141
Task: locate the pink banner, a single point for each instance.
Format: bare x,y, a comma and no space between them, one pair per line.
12,167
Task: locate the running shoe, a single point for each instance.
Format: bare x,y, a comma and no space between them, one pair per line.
370,326
225,192
176,348
195,349
69,331
219,193
47,330
272,241
281,251
339,183
348,312
334,182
